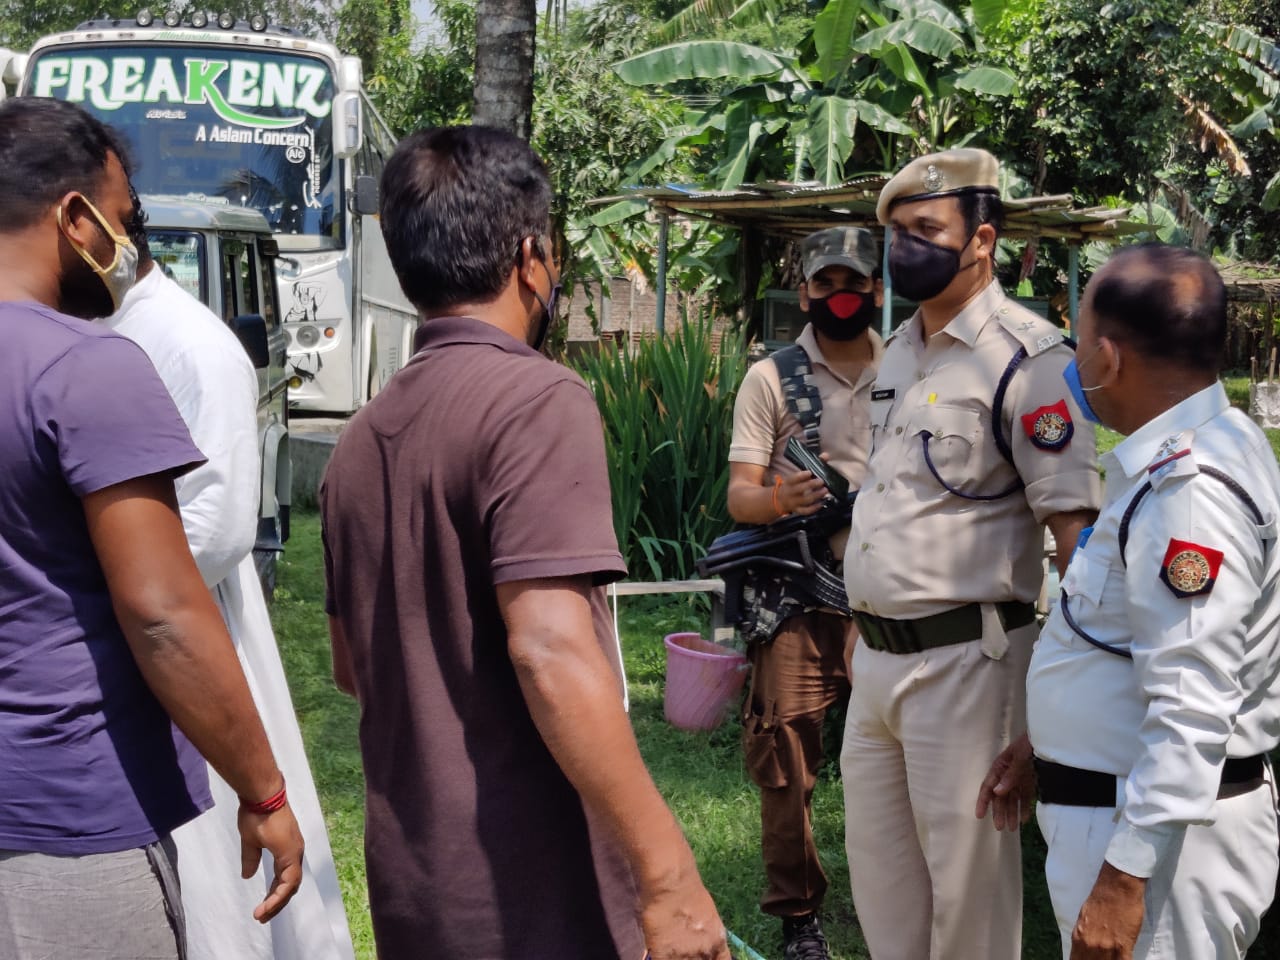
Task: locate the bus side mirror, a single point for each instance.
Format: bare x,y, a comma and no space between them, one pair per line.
365,199
347,128
251,330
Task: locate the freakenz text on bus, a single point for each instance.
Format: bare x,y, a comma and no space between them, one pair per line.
254,116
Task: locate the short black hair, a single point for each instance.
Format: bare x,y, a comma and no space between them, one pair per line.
136,227
456,204
47,149
1168,303
979,207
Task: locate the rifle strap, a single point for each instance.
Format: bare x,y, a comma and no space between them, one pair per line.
800,390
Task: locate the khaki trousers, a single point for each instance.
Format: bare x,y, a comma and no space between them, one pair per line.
930,880
796,678
1208,895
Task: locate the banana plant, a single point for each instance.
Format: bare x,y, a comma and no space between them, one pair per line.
873,80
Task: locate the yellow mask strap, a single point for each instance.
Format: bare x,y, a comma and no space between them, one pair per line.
119,239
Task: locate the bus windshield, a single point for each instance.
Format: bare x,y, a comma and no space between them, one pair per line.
240,126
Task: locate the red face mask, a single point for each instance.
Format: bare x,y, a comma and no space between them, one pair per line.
843,315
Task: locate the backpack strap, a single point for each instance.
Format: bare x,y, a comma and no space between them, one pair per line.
800,390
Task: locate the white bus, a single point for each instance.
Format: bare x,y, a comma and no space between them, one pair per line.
250,115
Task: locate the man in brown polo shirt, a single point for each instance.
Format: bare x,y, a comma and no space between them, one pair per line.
467,535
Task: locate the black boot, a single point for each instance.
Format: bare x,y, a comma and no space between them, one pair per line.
802,938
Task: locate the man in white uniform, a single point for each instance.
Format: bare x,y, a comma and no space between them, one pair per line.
214,385
1152,693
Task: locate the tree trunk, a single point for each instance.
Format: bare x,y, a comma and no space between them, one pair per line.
503,88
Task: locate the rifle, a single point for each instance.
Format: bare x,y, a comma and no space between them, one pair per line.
790,546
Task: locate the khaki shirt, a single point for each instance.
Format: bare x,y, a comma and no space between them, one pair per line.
914,548
763,423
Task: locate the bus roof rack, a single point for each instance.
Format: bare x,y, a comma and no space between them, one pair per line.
212,26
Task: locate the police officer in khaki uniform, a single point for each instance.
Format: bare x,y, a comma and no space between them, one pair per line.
976,444
1153,696
799,653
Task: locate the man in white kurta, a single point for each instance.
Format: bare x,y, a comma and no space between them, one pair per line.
215,388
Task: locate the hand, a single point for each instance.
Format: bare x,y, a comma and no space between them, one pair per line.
1009,787
1111,919
681,923
801,493
278,834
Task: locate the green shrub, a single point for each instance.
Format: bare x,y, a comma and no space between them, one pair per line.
667,409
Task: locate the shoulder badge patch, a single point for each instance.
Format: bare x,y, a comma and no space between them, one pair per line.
1188,569
1049,428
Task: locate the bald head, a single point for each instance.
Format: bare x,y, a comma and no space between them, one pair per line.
1167,303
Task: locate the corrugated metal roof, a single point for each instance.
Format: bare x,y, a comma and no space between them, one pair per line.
795,209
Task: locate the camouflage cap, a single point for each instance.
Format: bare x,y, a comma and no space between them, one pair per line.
945,174
850,247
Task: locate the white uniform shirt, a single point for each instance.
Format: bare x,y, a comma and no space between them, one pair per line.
1198,688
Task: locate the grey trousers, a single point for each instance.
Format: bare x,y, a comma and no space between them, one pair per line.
107,906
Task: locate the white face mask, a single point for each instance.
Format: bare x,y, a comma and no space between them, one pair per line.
122,272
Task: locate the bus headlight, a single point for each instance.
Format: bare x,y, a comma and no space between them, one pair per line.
308,336
172,18
226,21
258,22
199,19
144,18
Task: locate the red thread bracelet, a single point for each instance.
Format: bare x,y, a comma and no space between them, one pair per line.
270,805
777,507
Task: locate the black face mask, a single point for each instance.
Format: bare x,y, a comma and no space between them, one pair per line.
548,310
843,315
919,269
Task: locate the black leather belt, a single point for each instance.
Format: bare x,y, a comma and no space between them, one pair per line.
1074,787
960,625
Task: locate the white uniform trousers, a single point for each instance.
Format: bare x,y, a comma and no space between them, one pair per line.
930,880
1208,895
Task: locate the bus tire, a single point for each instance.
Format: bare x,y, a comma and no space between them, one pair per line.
265,562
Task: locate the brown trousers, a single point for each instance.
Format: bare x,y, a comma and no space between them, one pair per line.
795,679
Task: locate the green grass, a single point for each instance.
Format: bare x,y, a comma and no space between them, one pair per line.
329,720
701,774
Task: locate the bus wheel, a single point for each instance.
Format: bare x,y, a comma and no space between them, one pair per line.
264,561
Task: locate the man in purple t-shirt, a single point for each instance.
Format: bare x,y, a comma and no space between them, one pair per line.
467,537
108,638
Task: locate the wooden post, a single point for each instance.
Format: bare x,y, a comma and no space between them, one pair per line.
1268,334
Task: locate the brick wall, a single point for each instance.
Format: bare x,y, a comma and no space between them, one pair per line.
620,311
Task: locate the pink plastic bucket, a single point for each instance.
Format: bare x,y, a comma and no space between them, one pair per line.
703,677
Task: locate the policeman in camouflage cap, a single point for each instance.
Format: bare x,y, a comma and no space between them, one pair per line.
817,391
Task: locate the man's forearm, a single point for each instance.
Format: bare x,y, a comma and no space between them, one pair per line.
576,705
175,632
190,665
752,503
1066,528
